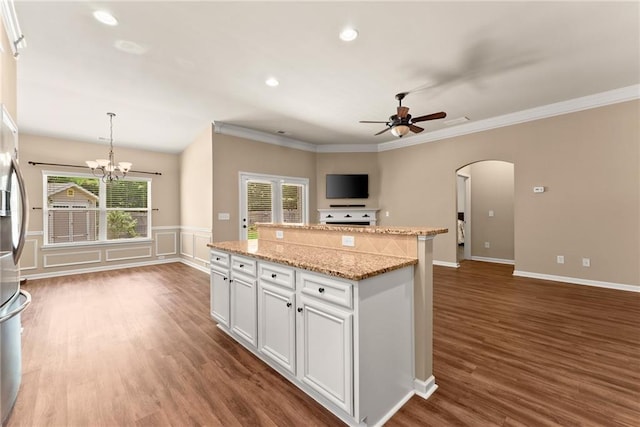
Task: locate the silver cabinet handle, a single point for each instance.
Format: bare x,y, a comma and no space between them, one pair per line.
12,313
25,211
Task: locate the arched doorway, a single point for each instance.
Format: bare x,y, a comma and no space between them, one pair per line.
485,212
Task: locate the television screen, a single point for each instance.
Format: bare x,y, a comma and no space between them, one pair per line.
347,186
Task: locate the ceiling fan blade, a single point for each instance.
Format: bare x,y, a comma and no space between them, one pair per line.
382,131
402,112
415,129
434,116
369,121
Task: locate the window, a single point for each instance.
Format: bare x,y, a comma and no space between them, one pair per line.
267,198
82,208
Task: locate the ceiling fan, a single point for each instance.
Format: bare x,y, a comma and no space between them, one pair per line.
401,123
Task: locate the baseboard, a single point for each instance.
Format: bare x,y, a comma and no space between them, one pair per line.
446,264
386,417
97,269
426,388
578,281
494,260
194,265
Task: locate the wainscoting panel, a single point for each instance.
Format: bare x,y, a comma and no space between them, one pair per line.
201,250
121,254
186,244
166,243
29,258
61,259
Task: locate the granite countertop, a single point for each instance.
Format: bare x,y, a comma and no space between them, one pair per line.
334,262
406,231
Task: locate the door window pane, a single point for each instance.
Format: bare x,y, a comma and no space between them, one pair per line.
259,205
292,203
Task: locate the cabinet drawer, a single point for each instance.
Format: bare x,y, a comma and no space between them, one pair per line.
327,289
277,275
243,265
219,259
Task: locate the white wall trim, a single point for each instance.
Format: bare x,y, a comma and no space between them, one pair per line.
109,258
564,107
446,264
200,237
35,233
596,100
35,255
196,266
424,389
194,229
256,135
97,269
175,243
47,265
577,281
494,260
166,227
347,148
386,417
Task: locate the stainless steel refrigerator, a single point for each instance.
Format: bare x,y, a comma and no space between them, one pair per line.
13,300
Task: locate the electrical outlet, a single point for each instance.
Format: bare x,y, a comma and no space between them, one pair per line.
491,213
560,259
348,241
538,189
487,245
386,213
279,234
223,216
586,262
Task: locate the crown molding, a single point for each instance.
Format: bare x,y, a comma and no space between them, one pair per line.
256,135
602,99
347,148
615,96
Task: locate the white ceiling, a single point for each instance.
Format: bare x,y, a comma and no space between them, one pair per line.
207,61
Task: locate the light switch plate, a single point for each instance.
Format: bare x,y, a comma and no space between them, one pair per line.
279,234
538,189
223,216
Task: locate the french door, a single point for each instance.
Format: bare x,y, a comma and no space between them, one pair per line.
271,199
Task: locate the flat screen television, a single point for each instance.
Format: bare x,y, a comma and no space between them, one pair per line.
347,186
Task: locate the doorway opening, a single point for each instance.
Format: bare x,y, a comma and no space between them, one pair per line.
485,212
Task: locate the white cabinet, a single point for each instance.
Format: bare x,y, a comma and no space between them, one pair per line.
220,297
244,299
348,344
219,292
326,351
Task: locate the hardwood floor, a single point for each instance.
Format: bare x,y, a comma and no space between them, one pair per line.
137,347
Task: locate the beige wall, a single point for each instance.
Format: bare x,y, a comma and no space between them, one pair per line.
492,190
38,261
589,163
232,155
348,163
196,193
196,174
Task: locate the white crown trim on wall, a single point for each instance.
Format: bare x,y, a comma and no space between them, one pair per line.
602,99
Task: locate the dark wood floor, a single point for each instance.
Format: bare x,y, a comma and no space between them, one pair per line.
137,347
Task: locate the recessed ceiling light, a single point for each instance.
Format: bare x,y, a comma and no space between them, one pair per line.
105,17
272,81
348,34
130,47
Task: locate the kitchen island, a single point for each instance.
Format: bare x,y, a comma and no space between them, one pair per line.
336,321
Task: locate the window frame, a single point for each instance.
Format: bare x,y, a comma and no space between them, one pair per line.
101,212
276,198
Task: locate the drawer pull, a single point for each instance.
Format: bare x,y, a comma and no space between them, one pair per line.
274,275
321,290
217,258
347,216
365,216
329,216
288,304
225,278
300,310
241,265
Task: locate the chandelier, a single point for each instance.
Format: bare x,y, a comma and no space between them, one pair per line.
106,169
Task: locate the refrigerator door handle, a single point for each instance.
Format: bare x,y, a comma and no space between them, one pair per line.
16,311
24,212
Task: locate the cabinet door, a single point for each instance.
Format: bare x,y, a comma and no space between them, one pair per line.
220,297
244,308
276,325
326,351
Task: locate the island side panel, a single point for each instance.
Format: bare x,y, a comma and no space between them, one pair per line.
423,317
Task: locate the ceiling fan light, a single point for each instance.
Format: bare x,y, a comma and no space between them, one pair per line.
400,130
